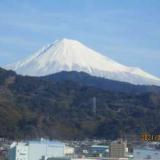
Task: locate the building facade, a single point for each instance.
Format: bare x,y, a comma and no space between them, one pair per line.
18,152
69,151
118,150
36,150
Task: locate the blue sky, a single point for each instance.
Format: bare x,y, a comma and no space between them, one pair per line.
126,30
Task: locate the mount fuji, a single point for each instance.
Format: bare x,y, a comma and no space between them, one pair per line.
70,55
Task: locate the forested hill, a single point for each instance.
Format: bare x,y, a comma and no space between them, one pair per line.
45,107
85,79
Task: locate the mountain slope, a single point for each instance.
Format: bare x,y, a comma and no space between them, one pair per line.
85,79
33,107
70,55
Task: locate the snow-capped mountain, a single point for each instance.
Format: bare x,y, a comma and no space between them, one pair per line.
71,55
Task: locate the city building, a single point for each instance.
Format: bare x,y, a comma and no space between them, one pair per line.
69,151
118,150
99,150
18,151
36,150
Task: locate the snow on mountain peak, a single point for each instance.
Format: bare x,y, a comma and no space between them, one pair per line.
71,55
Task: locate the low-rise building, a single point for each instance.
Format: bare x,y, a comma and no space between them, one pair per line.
18,151
69,151
99,150
36,150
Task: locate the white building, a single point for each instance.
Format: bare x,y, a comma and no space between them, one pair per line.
18,151
36,150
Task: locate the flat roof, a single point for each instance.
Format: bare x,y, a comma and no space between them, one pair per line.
44,141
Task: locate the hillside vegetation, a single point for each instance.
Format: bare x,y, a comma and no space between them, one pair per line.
44,107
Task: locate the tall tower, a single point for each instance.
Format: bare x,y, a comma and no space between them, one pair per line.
94,105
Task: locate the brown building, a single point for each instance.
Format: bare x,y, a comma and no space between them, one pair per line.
118,150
